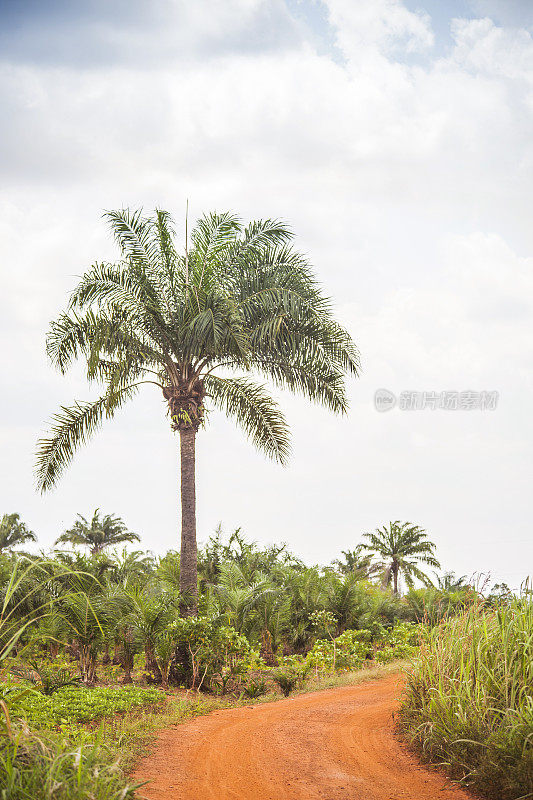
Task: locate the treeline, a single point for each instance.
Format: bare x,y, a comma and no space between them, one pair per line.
103,605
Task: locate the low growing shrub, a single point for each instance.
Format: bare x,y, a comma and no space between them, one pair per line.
79,704
287,681
256,687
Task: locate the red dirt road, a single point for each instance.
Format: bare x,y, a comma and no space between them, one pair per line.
336,744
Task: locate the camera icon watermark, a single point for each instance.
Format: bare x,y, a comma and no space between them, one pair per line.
449,400
384,400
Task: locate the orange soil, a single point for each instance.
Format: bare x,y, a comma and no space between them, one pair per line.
336,744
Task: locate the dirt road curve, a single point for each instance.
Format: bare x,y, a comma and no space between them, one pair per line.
334,745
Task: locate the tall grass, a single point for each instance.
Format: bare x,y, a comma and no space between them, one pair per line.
469,699
32,767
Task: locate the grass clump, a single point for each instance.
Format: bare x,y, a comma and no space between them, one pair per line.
469,699
48,768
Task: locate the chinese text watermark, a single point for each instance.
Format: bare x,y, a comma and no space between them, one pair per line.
449,400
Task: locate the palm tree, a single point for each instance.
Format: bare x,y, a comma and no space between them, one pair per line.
354,563
14,532
450,582
99,533
401,546
200,326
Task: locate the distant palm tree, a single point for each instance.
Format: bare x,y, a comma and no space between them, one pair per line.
450,582
14,532
401,546
354,563
99,533
239,300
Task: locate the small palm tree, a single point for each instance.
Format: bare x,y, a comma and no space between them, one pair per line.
401,546
355,563
14,532
201,326
450,582
99,533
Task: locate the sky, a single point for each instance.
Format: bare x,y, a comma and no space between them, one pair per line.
396,140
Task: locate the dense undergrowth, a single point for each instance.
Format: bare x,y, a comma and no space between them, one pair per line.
95,655
469,701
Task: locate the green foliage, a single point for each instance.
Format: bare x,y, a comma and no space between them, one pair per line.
346,652
469,698
33,766
400,642
286,680
209,650
46,678
255,687
75,704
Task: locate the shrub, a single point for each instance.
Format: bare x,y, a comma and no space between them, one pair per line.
348,651
401,641
287,681
204,650
255,687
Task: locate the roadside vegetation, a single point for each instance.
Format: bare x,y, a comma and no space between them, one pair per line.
96,653
469,700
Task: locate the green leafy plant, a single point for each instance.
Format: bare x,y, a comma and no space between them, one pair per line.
46,678
255,687
286,680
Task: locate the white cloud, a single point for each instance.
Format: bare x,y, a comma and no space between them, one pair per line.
408,183
385,26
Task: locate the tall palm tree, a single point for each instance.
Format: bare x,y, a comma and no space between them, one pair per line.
99,533
14,532
200,326
401,547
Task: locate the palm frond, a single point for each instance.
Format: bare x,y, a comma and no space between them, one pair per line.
72,427
254,411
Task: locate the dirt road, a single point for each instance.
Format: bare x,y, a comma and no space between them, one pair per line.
334,745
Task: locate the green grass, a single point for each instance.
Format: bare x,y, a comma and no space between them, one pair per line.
469,700
53,768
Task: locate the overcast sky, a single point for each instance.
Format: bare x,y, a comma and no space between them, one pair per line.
396,139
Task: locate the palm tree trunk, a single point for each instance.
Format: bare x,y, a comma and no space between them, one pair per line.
188,558
395,574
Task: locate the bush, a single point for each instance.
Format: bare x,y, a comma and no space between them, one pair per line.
287,681
401,641
347,652
255,687
205,650
469,699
